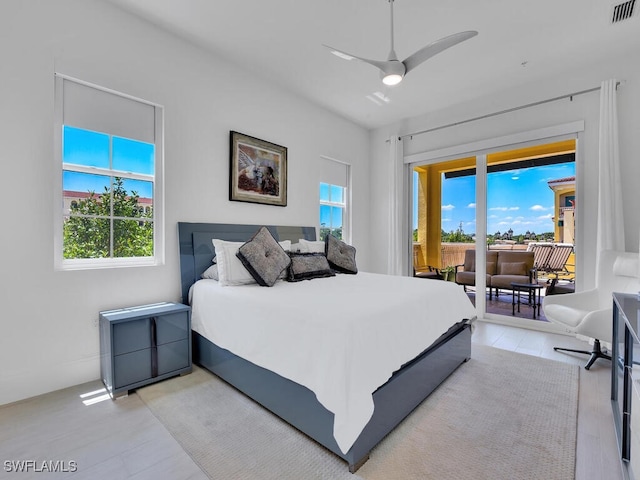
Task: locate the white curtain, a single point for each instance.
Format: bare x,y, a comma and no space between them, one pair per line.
610,231
395,223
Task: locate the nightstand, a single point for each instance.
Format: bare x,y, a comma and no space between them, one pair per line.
144,344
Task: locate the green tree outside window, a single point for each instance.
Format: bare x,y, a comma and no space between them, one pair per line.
88,230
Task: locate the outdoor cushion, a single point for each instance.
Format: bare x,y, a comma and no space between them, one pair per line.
513,268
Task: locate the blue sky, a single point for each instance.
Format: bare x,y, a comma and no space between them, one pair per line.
520,200
92,149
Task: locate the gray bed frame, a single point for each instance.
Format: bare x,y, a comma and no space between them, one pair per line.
296,404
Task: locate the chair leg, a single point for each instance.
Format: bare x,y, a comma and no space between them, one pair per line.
595,353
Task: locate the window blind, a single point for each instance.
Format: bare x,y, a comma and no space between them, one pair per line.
98,110
334,172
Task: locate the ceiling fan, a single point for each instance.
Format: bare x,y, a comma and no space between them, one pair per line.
392,70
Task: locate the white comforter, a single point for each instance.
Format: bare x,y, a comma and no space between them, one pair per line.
341,337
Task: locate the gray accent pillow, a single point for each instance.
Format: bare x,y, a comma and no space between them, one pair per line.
305,266
211,272
264,258
341,256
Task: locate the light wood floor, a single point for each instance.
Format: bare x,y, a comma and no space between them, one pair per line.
123,439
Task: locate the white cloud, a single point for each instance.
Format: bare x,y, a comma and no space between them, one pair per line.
448,207
504,209
471,205
537,208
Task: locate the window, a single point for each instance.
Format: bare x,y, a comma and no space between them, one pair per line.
108,155
332,209
334,205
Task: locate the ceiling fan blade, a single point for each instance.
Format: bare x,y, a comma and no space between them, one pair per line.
436,47
382,65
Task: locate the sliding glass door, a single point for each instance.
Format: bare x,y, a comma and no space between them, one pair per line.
530,225
526,203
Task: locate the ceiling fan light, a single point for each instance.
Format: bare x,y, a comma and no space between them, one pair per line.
392,79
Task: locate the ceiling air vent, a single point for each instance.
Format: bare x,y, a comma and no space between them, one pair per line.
622,11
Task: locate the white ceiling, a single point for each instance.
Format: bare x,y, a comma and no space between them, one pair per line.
519,41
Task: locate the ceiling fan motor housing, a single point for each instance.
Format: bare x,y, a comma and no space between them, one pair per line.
392,72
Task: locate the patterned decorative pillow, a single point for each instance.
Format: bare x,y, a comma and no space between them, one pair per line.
305,266
341,256
264,258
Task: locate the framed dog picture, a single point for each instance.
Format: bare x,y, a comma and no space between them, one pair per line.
258,171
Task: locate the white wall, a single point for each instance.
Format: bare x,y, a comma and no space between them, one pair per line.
48,328
584,107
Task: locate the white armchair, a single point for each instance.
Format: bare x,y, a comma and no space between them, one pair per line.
590,313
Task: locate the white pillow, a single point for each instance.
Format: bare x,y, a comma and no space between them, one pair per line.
286,245
231,271
311,246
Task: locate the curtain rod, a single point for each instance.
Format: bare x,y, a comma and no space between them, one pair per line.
501,112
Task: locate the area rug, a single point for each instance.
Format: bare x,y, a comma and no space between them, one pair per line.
502,415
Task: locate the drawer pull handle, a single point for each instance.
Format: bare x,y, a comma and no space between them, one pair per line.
154,347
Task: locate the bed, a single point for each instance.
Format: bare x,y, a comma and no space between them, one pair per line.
301,402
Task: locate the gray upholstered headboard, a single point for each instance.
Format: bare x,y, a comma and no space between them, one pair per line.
196,248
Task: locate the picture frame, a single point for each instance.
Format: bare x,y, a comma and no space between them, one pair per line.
257,171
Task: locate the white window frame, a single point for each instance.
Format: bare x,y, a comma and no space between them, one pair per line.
158,258
346,205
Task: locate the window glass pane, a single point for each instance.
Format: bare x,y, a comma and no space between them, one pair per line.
83,147
140,188
324,192
336,217
85,237
133,156
132,238
325,216
336,194
136,199
77,189
126,201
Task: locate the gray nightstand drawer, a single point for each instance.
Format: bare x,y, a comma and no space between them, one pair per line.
172,327
131,368
173,356
132,336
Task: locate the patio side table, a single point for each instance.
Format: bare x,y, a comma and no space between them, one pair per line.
533,294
